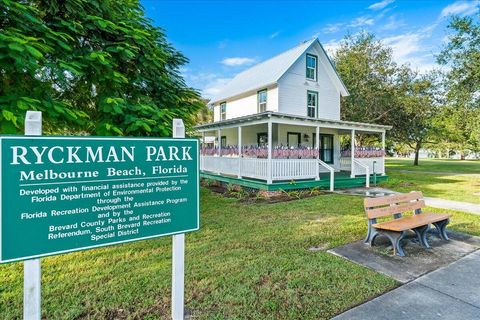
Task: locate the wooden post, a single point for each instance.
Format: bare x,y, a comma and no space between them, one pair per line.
317,148
383,140
239,152
219,136
32,272
178,251
269,163
383,158
352,154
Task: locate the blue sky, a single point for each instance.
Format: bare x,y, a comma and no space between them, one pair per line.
222,38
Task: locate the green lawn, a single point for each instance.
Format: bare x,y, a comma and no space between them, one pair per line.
435,165
246,262
447,179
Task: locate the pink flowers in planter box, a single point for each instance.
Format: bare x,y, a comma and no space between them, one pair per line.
261,152
365,152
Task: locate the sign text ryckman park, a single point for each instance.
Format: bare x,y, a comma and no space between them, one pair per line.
61,194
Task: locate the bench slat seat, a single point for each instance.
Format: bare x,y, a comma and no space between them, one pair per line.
411,222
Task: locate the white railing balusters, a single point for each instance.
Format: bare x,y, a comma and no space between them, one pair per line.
367,171
332,173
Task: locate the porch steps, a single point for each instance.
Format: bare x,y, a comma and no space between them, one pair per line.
341,182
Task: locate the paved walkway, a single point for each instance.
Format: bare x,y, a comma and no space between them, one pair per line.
453,205
432,202
449,173
449,293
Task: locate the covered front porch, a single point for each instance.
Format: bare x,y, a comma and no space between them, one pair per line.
275,148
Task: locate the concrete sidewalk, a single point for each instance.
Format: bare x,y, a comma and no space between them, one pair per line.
452,292
453,205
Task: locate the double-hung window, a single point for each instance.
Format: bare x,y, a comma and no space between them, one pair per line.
311,71
223,111
262,100
312,104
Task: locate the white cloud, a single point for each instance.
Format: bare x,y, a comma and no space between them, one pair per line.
462,8
409,49
404,45
393,24
380,5
332,27
361,22
237,61
213,87
331,46
274,35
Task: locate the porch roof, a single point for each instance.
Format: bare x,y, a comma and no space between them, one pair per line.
283,118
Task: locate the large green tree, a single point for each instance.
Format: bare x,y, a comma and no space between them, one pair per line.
381,91
417,122
367,68
98,67
462,56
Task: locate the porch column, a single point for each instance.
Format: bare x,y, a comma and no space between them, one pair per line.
352,154
239,151
269,163
383,148
383,140
203,139
219,135
317,148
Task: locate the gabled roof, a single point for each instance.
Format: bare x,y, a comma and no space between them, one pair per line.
270,71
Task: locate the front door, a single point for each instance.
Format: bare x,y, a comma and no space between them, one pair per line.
293,139
326,148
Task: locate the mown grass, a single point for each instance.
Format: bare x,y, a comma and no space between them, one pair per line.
435,165
447,179
246,262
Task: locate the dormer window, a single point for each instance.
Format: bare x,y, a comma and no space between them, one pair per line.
262,100
311,67
223,111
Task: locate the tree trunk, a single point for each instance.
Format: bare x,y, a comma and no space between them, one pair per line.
417,153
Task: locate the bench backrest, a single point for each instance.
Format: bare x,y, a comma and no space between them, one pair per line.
394,204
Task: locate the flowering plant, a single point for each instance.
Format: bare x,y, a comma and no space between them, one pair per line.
278,152
364,152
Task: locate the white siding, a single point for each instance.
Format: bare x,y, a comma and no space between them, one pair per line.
293,87
247,104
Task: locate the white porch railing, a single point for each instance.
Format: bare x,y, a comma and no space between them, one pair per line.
282,169
332,173
364,168
289,169
375,165
254,168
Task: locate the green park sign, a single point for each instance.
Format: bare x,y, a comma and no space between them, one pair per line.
63,194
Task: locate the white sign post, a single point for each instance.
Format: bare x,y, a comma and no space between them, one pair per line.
178,251
32,274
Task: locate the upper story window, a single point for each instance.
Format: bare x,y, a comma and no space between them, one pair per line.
311,67
312,103
223,111
262,100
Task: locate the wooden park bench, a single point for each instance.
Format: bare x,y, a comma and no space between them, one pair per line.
396,229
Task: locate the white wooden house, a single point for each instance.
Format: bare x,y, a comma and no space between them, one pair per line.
280,121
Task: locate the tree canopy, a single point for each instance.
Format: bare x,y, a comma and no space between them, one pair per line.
98,67
461,54
381,91
369,72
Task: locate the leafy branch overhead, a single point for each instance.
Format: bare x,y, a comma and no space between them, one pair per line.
97,67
